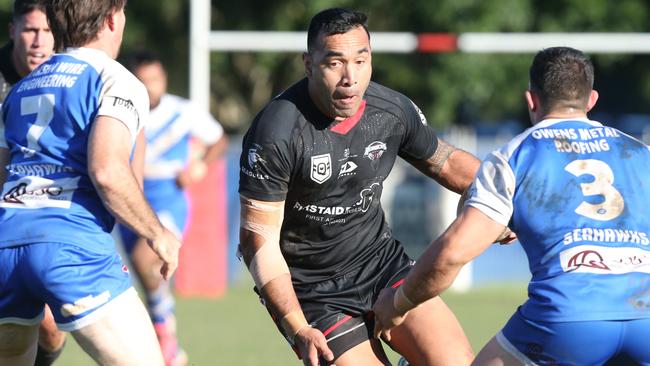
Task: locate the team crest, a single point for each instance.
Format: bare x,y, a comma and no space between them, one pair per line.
321,168
375,150
254,157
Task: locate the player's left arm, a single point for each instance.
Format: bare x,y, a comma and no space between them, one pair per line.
437,267
453,168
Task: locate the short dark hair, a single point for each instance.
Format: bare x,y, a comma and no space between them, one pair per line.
334,21
140,57
22,7
74,23
562,77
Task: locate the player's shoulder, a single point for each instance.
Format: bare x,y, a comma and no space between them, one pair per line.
109,71
390,100
282,113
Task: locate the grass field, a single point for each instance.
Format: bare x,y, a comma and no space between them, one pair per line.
236,330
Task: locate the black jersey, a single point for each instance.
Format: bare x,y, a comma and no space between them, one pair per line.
330,174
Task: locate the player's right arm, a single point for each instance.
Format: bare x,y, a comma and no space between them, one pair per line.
259,236
109,151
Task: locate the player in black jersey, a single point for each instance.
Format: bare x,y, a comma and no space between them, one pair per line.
313,233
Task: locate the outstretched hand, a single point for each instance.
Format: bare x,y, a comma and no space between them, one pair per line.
386,316
311,344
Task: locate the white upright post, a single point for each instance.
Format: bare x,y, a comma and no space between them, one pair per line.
200,53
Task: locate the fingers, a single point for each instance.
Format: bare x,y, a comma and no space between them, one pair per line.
325,351
168,268
379,331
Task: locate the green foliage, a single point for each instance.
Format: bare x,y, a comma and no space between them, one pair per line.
449,88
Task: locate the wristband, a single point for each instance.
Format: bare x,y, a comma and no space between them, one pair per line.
401,303
292,324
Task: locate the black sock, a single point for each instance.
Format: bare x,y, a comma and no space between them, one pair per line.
46,358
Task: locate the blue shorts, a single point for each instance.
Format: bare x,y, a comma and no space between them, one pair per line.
172,213
76,283
621,342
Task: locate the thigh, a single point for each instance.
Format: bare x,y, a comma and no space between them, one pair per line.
18,344
367,353
635,344
20,302
494,354
560,343
431,335
123,336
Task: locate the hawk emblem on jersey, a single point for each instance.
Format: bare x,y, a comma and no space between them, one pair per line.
375,150
254,158
321,168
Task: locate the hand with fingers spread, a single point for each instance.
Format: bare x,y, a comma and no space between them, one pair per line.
386,315
166,245
312,345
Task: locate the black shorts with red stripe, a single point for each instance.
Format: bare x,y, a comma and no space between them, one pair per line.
341,307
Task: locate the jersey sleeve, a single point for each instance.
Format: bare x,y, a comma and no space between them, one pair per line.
266,159
203,126
419,140
125,99
493,188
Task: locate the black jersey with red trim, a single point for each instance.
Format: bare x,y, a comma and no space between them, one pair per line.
330,174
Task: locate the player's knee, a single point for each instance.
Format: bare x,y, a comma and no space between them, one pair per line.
51,340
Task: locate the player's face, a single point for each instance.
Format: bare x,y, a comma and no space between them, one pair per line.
33,41
154,78
339,71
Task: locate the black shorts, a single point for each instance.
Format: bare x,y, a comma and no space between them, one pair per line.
341,307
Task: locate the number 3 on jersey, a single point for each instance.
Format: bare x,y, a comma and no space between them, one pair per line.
43,106
613,203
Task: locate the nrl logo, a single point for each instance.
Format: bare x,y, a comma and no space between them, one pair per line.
321,168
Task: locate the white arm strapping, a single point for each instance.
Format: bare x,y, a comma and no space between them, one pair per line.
264,220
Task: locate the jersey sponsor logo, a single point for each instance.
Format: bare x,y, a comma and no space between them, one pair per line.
38,170
37,192
348,169
84,304
375,150
328,214
321,168
605,260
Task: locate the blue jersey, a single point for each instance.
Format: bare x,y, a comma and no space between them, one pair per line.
577,194
172,123
45,124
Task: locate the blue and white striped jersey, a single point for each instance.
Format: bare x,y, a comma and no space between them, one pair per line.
577,194
171,126
45,123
